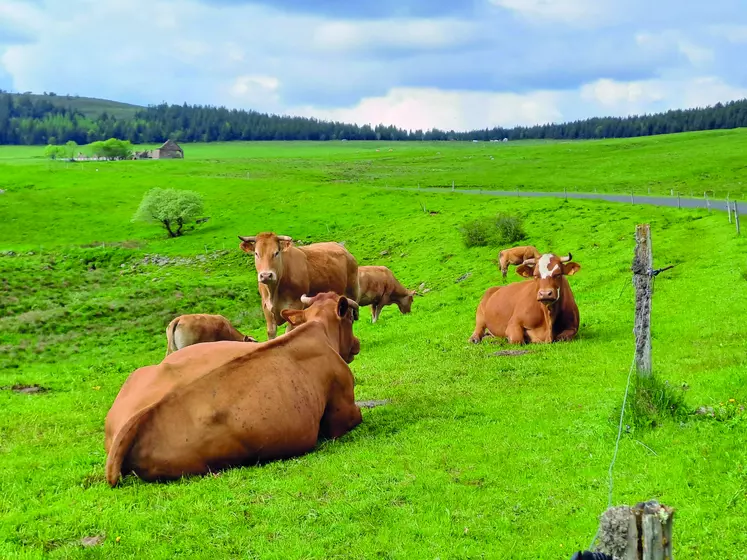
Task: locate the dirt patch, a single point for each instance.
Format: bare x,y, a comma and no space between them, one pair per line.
371,404
92,541
511,353
26,389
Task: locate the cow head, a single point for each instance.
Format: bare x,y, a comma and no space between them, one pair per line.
268,251
337,313
405,303
547,272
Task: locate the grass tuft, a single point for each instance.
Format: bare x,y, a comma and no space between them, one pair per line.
653,401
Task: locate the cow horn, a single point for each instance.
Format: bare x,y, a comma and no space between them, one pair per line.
306,300
352,303
566,259
285,238
251,239
354,306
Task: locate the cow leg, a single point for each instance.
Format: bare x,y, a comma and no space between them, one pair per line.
375,310
339,418
566,335
515,333
272,325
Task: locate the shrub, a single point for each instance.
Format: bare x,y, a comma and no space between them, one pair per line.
171,208
503,229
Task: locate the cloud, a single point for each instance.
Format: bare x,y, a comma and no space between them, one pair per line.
412,63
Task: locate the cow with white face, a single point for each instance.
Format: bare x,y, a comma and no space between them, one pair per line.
540,309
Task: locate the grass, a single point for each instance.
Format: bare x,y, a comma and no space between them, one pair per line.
476,455
688,163
91,107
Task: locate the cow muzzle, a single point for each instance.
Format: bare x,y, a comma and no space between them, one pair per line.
548,296
266,277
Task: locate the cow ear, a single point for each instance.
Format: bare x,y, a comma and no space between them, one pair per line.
525,271
294,316
571,268
247,246
285,245
342,306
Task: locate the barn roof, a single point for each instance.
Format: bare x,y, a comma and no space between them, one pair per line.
170,145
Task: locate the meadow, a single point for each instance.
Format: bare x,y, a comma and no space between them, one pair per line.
476,455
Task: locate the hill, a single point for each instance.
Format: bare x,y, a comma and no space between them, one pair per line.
30,119
91,107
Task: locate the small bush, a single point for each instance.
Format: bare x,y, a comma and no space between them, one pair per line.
171,208
503,229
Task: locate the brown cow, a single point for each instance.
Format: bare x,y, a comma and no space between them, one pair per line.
226,404
516,256
186,330
538,310
286,272
379,287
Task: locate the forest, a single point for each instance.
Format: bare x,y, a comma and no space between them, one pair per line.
28,120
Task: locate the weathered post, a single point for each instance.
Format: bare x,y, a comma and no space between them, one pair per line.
728,207
632,201
565,192
643,264
641,532
452,185
736,216
679,205
708,202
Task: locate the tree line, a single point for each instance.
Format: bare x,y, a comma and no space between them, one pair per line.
38,121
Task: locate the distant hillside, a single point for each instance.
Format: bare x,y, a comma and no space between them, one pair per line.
52,119
90,107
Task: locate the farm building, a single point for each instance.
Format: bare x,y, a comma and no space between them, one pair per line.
169,150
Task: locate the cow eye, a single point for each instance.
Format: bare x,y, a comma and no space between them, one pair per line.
276,253
256,254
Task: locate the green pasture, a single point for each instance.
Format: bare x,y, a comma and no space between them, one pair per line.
476,455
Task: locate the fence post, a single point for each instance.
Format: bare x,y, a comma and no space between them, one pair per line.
631,198
728,207
642,281
641,532
708,202
678,200
736,216
452,185
565,192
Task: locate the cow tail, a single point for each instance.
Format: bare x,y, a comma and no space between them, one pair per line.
170,332
122,444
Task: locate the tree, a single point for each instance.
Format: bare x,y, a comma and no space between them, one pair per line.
54,152
172,208
72,147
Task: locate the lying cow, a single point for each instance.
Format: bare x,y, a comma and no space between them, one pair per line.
186,330
225,404
516,256
286,272
541,309
379,287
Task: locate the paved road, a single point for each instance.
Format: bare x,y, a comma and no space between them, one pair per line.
719,205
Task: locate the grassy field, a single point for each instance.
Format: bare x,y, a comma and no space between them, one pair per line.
476,455
691,163
92,107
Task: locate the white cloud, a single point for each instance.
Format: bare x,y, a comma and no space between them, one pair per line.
257,90
671,40
580,12
736,34
425,108
392,33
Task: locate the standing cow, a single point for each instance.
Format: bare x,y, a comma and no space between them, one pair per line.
226,404
194,328
516,256
541,309
286,272
379,287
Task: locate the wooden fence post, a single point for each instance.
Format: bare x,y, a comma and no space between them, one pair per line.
728,207
631,198
678,200
641,532
643,263
736,216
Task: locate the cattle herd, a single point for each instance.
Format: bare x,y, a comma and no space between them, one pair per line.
216,402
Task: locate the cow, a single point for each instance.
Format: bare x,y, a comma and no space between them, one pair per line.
186,330
540,310
226,404
516,256
286,272
379,287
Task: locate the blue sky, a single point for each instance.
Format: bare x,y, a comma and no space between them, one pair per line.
459,64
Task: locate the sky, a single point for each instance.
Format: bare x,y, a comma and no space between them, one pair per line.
417,64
